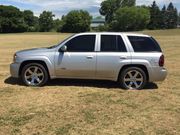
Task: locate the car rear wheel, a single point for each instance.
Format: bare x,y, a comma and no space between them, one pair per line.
133,78
34,74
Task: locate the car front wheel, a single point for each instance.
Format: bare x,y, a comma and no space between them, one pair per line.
133,78
34,74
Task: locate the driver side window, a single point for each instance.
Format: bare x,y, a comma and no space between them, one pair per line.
83,43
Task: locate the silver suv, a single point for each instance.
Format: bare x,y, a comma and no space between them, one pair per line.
130,59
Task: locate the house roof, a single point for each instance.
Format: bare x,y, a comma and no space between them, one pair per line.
100,20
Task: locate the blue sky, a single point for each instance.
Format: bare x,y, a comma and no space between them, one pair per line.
61,7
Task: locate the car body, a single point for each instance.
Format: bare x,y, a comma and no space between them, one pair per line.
101,56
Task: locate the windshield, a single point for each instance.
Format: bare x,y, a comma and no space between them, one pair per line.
54,46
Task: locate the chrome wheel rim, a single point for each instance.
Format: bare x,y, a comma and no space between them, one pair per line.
133,79
34,76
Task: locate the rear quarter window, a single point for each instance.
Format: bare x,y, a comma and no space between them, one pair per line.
144,44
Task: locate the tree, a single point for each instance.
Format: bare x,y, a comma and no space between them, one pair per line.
46,21
30,20
36,22
130,19
172,16
109,7
179,19
76,21
155,17
28,17
58,24
11,20
164,18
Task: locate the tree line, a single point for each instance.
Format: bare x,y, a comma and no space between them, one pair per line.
13,20
120,15
124,15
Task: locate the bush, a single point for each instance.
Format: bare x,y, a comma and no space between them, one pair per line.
11,20
46,21
130,19
102,28
76,21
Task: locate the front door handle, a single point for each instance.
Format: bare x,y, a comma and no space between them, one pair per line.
89,57
123,57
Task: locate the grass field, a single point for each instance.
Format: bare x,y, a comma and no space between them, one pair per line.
88,107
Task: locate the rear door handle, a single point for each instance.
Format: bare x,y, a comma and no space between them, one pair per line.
123,57
89,57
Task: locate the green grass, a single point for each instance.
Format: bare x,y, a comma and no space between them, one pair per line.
64,130
65,107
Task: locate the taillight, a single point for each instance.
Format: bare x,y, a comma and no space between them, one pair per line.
161,61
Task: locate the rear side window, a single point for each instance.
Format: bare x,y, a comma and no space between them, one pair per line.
144,44
112,43
84,43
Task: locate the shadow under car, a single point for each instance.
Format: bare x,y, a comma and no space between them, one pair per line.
78,82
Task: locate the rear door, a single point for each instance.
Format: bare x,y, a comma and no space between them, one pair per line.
112,55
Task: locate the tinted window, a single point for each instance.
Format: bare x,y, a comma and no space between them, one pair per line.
144,44
85,43
112,43
120,44
108,43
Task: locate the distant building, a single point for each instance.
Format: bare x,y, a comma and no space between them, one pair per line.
97,22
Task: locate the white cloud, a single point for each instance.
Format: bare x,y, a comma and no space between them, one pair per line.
81,3
159,2
60,7
63,3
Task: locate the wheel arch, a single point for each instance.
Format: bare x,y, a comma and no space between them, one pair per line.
143,67
33,61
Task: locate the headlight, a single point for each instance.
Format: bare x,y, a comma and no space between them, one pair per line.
14,57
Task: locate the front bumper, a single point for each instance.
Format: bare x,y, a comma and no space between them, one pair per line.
14,70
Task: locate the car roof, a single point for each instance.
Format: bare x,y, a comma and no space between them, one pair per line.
114,33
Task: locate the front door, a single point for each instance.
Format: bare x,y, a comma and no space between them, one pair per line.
79,61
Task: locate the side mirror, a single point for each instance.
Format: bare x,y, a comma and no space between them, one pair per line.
63,48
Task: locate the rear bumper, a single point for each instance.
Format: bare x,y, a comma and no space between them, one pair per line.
14,70
158,74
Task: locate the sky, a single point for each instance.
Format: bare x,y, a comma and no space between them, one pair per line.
62,7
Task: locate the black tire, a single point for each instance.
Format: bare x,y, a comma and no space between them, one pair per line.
124,73
43,69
